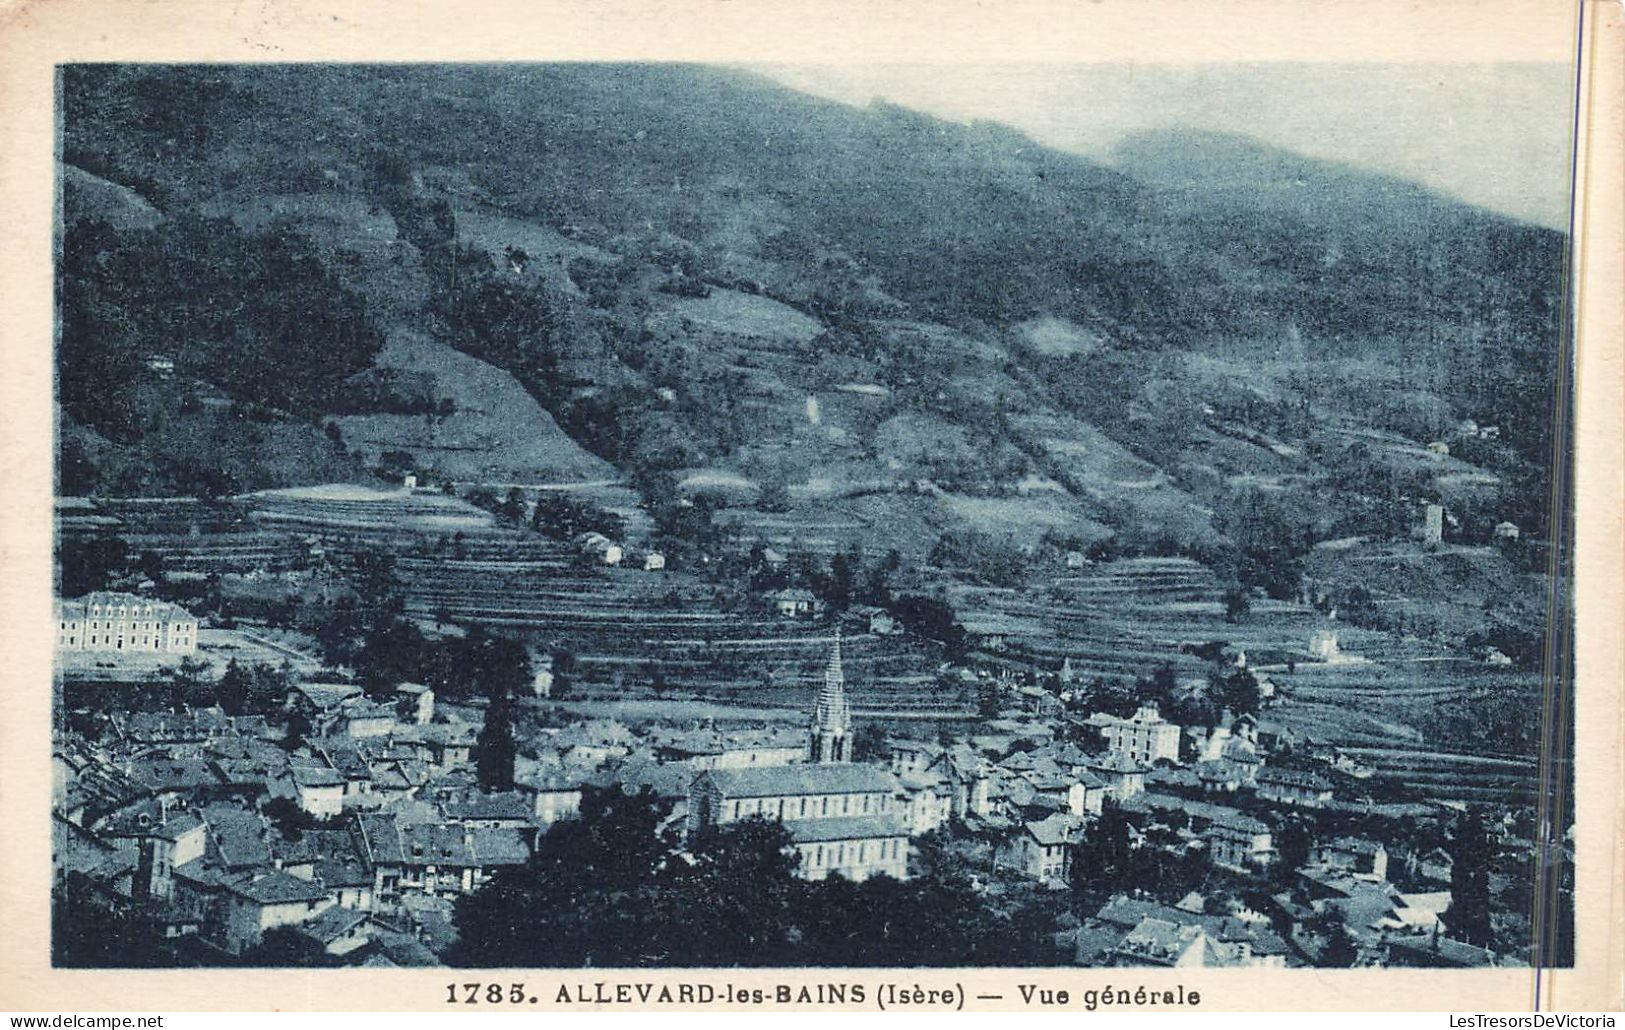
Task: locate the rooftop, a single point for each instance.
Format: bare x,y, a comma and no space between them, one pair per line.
793,780
859,827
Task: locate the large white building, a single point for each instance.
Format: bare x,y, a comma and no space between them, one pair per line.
1147,737
842,817
106,621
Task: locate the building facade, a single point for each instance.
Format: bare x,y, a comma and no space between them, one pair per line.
1146,737
106,621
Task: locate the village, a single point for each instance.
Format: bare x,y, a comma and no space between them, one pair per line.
277,747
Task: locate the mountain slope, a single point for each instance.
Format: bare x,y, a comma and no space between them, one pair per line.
699,275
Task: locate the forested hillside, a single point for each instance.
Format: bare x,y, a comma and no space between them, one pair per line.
703,282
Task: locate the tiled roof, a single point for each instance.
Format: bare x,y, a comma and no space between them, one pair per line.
310,776
273,888
105,603
332,924
477,805
1294,778
806,778
1057,829
857,827
237,837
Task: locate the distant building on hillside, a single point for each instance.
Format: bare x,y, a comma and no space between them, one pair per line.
106,621
597,546
794,603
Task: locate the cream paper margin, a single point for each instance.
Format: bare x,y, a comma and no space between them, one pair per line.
34,36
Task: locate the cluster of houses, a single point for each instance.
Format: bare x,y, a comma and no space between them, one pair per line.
360,832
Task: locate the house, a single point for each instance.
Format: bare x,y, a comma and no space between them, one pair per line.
415,703
1436,865
161,840
1238,841
433,858
1042,849
107,621
255,902
1435,951
339,930
1294,787
320,790
1132,932
1157,942
1507,531
653,561
711,749
361,718
599,548
927,799
874,620
1123,776
794,603
320,703
541,681
492,810
556,797
1416,913
1087,794
1146,738
1358,855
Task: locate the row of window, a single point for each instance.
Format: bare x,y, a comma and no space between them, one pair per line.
117,643
861,852
799,808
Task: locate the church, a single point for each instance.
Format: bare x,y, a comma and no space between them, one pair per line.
843,817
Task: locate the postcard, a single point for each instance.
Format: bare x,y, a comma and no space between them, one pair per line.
1033,507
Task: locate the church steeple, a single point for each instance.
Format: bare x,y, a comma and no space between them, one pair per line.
831,717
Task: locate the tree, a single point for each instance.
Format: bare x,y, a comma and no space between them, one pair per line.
285,947
392,652
870,743
589,896
512,509
89,565
930,618
1469,914
1293,842
494,747
988,701
232,692
1237,604
374,578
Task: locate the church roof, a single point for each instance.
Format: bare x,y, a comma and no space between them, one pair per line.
853,827
792,780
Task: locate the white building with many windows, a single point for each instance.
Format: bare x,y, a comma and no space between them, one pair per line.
1147,737
106,621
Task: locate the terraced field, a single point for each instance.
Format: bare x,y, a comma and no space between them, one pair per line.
1123,619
